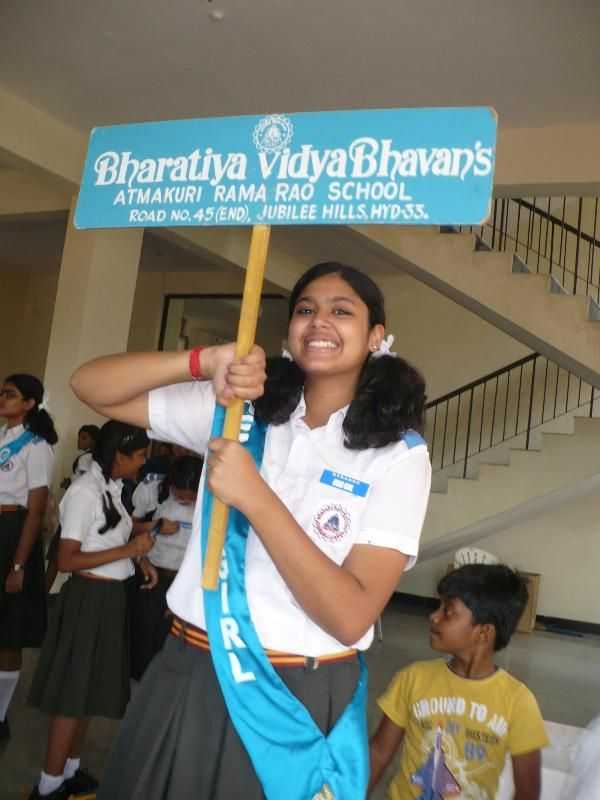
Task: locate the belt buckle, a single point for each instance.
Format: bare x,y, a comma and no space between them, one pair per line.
311,663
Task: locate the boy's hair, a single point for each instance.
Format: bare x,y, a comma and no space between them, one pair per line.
494,594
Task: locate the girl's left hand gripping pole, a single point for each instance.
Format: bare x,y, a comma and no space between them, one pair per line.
257,258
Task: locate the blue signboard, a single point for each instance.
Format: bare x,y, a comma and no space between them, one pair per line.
431,166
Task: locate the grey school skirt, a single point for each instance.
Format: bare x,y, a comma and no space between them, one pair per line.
177,740
23,614
83,669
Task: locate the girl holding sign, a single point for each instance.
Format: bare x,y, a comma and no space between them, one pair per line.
328,488
26,461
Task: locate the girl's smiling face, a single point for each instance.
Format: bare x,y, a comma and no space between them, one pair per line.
329,329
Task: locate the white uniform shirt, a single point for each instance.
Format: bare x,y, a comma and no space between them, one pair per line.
29,469
145,497
82,516
391,513
169,549
82,463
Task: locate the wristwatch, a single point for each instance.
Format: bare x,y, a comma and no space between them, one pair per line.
17,567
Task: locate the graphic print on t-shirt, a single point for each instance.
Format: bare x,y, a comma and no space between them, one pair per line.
434,777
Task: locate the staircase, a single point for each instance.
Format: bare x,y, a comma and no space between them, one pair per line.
543,291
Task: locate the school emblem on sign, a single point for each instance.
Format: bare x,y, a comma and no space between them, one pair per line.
273,133
332,522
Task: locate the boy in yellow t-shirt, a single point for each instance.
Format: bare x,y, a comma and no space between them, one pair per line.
457,719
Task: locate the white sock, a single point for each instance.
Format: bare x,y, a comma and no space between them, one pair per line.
8,684
49,783
71,767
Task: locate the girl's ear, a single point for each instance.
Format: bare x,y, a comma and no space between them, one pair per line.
29,404
376,335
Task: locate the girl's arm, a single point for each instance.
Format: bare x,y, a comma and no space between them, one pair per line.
71,559
117,386
382,748
527,770
36,507
343,600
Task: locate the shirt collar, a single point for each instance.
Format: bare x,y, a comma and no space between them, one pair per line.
115,487
335,421
11,433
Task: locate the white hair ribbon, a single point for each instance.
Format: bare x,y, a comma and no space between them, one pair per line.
385,347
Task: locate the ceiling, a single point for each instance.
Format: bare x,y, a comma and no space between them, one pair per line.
93,63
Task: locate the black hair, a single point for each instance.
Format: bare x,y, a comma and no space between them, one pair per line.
115,437
37,420
92,430
184,473
390,397
494,594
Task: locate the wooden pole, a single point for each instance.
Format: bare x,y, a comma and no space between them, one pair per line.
255,272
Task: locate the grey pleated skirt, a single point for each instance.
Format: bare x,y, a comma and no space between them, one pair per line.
177,740
83,670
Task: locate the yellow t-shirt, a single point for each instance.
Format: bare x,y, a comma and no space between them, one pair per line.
458,731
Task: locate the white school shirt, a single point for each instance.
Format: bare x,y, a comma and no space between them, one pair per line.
83,463
295,457
30,468
169,549
145,496
82,516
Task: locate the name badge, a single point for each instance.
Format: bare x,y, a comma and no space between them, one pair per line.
345,483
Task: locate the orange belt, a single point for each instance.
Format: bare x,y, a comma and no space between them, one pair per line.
4,509
196,637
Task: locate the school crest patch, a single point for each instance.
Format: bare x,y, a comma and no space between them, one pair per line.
332,522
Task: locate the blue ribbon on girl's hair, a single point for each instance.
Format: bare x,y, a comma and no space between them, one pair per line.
289,752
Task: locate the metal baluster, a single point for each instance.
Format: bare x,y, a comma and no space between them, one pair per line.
529,229
556,391
518,225
592,403
528,437
494,412
494,222
503,225
545,390
433,437
468,435
519,400
444,436
547,229
577,245
539,243
482,416
568,390
456,430
562,231
506,407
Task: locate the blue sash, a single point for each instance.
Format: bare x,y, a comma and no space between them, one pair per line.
290,754
12,448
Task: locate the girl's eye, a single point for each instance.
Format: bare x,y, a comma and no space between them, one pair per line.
304,311
342,312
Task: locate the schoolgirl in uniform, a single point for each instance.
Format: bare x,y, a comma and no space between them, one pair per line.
83,669
26,461
171,529
332,519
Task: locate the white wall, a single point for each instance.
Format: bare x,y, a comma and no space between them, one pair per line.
563,546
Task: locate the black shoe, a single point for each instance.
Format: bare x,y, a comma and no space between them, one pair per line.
81,783
61,793
4,729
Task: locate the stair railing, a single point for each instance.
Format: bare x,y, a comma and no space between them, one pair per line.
508,403
557,236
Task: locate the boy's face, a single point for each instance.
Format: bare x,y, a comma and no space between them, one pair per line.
451,628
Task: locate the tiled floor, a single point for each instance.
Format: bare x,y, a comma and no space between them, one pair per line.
563,672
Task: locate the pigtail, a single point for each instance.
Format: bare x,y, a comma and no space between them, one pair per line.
389,401
40,423
283,389
111,515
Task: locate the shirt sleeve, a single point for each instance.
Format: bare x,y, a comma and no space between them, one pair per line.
527,731
38,464
394,702
397,505
77,513
182,414
141,501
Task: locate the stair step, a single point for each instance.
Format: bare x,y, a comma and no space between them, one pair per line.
555,286
480,245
